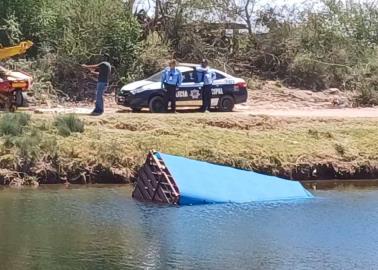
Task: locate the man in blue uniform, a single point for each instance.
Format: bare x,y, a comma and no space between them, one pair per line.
206,76
103,71
171,79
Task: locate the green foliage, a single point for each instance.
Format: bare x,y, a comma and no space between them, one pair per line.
81,31
153,55
28,145
11,29
76,32
18,18
334,45
67,124
13,124
24,142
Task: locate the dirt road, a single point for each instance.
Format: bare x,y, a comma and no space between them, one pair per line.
310,112
272,99
244,110
276,100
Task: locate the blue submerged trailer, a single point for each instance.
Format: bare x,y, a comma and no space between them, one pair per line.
177,180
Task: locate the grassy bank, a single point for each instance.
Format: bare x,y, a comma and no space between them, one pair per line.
109,149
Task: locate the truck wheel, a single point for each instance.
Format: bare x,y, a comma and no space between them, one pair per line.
226,104
19,98
157,105
136,110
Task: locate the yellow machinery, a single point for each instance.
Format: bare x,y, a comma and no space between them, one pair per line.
21,48
13,83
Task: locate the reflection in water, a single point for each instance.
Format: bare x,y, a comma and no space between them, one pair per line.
103,228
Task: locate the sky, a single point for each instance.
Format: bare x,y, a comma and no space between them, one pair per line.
313,4
148,4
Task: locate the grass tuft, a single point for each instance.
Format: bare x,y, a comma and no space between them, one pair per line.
13,124
67,124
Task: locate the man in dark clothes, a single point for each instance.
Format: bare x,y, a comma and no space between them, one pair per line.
103,71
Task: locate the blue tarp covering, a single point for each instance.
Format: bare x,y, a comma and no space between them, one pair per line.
202,182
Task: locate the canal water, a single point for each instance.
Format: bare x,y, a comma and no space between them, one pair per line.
103,228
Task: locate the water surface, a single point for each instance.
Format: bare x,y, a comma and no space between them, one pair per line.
103,228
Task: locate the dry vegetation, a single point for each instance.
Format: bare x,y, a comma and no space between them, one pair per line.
330,45
110,149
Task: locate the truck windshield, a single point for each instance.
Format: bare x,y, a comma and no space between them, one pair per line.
155,78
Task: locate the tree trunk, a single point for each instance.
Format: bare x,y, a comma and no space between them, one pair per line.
248,15
157,9
129,4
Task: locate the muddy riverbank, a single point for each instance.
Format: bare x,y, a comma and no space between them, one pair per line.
111,148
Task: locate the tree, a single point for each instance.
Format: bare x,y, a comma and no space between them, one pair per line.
249,7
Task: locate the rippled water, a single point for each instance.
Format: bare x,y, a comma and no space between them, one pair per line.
103,228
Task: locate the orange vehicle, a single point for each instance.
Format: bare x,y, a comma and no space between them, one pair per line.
13,83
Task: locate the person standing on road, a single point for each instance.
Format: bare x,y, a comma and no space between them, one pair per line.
171,79
103,71
206,76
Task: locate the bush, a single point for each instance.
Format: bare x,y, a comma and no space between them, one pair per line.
154,54
329,46
13,124
103,26
23,142
27,147
57,30
67,124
